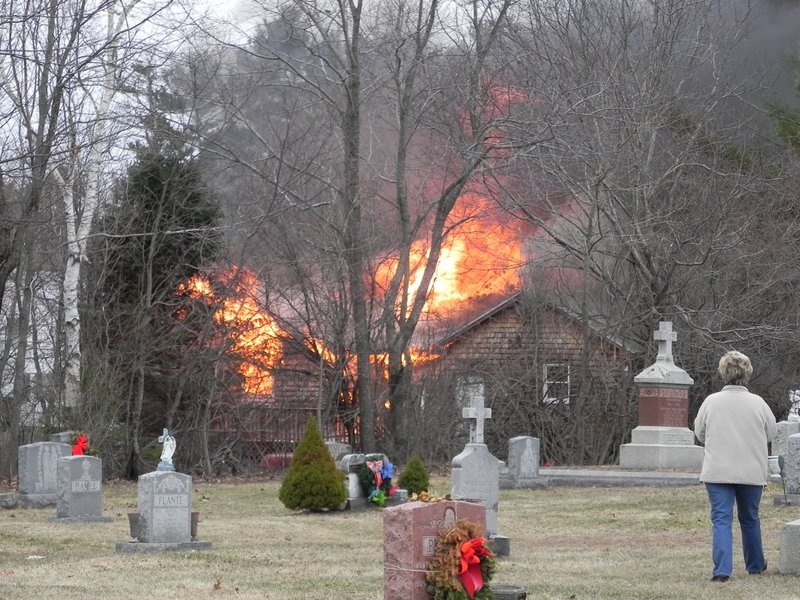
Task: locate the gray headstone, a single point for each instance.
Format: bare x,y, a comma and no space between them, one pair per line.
476,477
350,462
523,458
508,592
63,437
780,445
79,488
38,473
338,450
791,465
165,507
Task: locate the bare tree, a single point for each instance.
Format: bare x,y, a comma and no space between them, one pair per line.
653,188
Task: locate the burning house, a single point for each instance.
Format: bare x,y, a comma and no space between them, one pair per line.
544,369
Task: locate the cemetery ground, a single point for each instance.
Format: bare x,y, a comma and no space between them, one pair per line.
566,544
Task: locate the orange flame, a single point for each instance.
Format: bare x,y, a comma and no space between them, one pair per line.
481,257
251,332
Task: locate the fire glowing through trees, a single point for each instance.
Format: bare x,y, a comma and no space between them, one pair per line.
251,332
481,257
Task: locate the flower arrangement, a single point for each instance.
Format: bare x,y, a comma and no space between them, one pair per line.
462,565
375,476
80,445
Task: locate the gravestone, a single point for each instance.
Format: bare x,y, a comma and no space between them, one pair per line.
410,533
791,471
63,437
165,506
349,464
662,438
790,549
508,592
475,474
80,489
338,450
476,477
165,513
523,458
780,445
38,473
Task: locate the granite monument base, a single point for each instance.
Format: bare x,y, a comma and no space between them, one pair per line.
139,547
83,519
661,448
508,592
786,500
36,500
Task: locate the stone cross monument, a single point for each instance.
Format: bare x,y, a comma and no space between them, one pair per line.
475,474
662,438
480,413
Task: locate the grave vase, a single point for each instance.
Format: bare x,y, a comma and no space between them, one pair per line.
195,521
133,523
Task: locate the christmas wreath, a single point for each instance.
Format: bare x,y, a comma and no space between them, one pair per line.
375,476
462,566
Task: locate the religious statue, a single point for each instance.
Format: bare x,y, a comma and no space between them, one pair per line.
167,451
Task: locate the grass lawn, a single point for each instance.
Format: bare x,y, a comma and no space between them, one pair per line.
566,544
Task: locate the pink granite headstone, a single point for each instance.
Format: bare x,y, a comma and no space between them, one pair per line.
410,533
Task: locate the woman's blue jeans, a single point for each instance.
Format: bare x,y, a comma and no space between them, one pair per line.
721,496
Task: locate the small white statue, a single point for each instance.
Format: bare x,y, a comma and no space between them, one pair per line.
167,451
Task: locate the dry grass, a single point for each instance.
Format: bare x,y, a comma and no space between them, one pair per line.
567,544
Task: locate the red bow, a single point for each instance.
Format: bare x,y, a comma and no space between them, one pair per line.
470,571
80,446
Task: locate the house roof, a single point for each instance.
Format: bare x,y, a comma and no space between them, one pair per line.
596,324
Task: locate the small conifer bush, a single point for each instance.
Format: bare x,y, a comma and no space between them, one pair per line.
414,477
312,482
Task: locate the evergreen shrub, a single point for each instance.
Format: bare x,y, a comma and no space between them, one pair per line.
414,476
312,482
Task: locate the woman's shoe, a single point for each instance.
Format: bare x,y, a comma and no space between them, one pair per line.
761,571
720,578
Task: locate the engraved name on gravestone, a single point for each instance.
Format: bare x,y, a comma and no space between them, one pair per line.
79,487
165,503
38,472
663,407
410,533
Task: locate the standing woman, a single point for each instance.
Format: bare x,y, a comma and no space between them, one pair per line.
735,427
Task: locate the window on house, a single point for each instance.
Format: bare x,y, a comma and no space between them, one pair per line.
556,383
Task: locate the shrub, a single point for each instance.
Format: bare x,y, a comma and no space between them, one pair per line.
312,482
414,477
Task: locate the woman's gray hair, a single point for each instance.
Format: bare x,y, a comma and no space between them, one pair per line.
735,368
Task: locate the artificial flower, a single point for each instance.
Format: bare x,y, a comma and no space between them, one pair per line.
81,446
